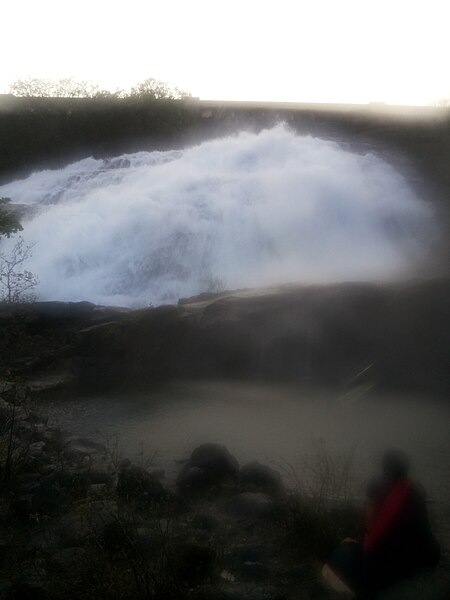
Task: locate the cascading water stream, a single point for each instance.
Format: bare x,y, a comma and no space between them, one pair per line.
244,211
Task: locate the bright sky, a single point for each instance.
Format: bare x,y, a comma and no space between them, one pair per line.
395,51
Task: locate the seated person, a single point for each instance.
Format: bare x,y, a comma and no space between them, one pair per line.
397,541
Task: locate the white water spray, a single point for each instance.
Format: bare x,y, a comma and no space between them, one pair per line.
249,210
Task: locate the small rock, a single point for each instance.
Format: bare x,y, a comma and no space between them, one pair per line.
36,447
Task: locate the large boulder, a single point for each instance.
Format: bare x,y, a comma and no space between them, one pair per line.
207,465
256,477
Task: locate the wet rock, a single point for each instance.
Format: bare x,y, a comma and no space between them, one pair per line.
253,505
215,462
36,448
256,477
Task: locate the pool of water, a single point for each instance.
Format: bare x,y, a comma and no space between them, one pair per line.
290,427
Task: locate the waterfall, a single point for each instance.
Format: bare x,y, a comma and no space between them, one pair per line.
247,210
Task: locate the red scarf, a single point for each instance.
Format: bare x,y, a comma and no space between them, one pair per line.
394,508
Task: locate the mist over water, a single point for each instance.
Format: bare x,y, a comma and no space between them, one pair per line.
244,211
276,423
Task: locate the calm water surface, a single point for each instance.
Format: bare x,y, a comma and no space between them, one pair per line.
281,425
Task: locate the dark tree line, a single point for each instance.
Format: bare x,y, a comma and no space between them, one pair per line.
72,88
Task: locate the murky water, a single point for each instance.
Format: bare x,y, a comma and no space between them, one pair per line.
279,424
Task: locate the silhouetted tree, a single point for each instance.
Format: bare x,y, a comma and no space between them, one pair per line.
16,282
47,88
72,88
9,223
157,90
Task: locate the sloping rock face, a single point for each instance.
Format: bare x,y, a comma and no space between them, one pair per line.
394,335
390,335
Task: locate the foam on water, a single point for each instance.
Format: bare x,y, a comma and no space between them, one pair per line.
247,210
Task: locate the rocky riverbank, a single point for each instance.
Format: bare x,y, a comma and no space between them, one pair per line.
77,520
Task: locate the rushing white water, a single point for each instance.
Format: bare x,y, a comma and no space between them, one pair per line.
248,210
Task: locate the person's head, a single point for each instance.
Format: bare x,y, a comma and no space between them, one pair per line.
395,465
